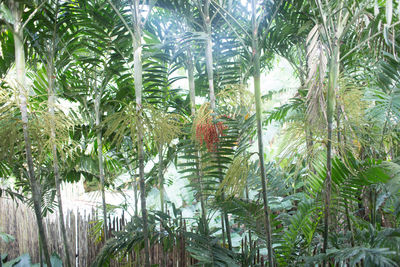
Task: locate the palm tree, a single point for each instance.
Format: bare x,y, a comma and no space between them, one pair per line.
336,20
138,22
137,69
51,48
96,72
257,95
17,10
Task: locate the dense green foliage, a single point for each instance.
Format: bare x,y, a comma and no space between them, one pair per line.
104,98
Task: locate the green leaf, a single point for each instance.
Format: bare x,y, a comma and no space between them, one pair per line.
22,261
6,237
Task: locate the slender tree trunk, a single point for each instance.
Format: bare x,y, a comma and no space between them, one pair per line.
141,159
209,56
134,184
257,95
228,230
161,176
248,200
223,229
192,93
137,65
202,200
224,215
135,192
40,252
162,197
333,77
100,157
210,74
51,102
17,9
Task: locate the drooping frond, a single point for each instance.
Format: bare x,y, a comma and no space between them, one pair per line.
317,62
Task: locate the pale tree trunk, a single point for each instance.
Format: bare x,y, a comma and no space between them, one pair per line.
332,84
192,95
224,215
137,65
51,103
227,226
201,196
209,56
100,156
192,92
162,197
210,75
138,87
17,9
257,95
161,176
135,192
134,184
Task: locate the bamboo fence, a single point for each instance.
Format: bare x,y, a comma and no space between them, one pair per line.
18,220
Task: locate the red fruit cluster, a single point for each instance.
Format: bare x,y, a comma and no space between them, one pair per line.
208,132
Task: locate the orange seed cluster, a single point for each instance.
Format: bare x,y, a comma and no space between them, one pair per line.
209,133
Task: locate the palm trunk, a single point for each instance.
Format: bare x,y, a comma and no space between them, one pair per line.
224,215
161,189
257,95
134,184
137,65
202,200
17,10
40,252
227,230
192,93
333,77
137,68
141,173
51,103
223,230
209,56
135,192
161,176
248,200
100,158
